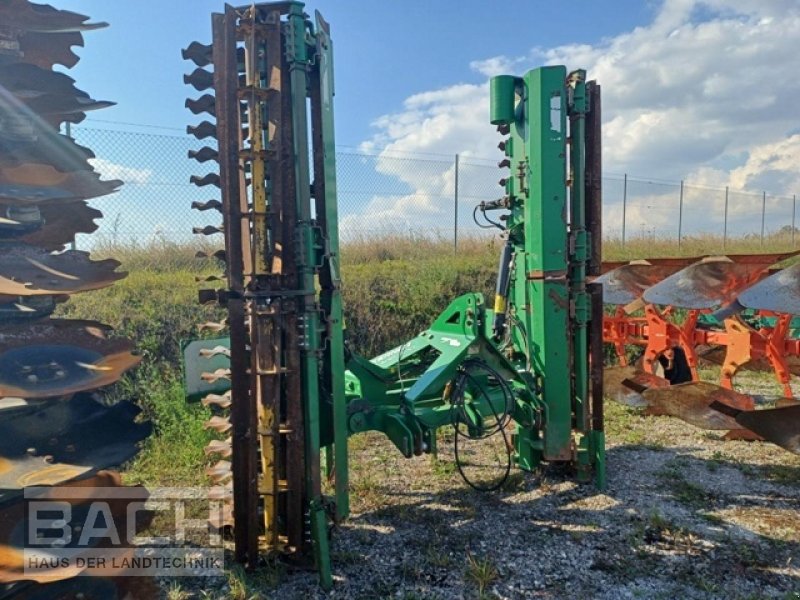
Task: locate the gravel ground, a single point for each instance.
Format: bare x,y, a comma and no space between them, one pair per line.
685,515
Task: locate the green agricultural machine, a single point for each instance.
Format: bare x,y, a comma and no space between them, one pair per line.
288,390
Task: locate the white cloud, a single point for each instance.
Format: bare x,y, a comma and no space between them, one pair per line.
111,170
704,93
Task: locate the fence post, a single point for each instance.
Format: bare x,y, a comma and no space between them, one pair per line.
455,210
763,213
680,217
794,211
725,222
624,205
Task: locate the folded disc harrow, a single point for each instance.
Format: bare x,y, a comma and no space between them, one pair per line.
737,311
54,431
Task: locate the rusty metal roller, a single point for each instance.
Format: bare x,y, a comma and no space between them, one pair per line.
199,79
204,104
199,54
27,16
60,357
711,282
202,130
779,292
780,426
30,271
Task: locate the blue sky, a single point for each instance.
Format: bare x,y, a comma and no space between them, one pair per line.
693,90
385,51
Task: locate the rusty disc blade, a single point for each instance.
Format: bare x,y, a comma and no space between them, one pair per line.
779,292
714,281
57,223
626,284
78,186
691,402
780,426
30,271
27,16
58,357
678,262
47,49
30,308
75,436
58,151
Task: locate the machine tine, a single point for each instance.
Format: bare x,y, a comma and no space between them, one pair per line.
626,384
209,205
199,79
202,130
218,423
215,351
204,104
219,255
221,447
208,278
216,375
205,154
221,492
224,518
208,179
219,472
699,403
212,326
207,230
221,400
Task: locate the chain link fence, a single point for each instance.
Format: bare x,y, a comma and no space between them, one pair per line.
395,194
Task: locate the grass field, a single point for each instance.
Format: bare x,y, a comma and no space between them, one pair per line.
392,289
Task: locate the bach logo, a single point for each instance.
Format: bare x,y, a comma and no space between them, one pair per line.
125,531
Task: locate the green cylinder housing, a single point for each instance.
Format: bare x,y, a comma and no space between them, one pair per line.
501,98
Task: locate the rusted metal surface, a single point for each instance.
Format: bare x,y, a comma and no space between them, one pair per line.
30,271
594,180
711,282
780,292
60,357
627,283
27,16
51,225
625,385
691,402
64,440
780,426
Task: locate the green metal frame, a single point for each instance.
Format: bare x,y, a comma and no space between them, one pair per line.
539,342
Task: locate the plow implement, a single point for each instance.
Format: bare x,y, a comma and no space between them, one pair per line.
56,433
286,391
737,311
